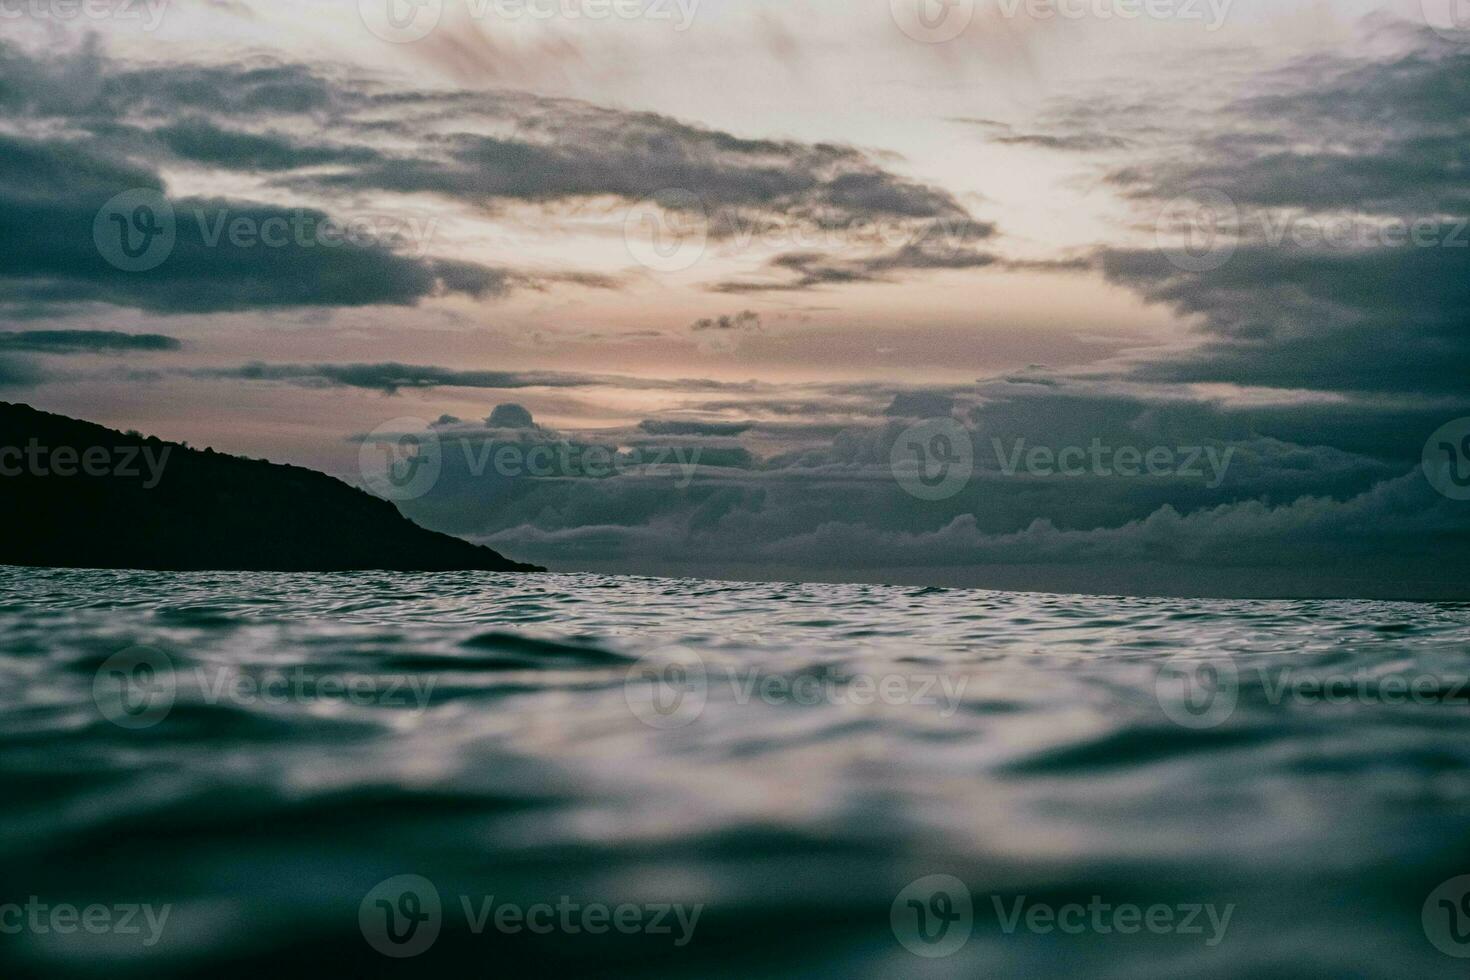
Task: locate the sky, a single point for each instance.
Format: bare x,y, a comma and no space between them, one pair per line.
1123,296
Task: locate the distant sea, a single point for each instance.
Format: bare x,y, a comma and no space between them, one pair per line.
569,775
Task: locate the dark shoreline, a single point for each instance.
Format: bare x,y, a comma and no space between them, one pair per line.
99,498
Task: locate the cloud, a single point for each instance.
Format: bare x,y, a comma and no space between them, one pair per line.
52,191
1078,141
921,405
16,372
85,341
510,416
1313,486
564,150
1343,223
486,150
747,320
676,427
200,141
813,270
391,378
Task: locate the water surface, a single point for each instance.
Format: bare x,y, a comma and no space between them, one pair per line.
259,752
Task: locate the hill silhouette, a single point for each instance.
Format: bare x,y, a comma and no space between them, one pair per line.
79,495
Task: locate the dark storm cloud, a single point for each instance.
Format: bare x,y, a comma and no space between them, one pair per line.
588,152
201,141
675,427
390,378
557,149
1377,319
368,140
1315,485
920,405
1346,220
266,88
85,341
16,372
85,84
51,193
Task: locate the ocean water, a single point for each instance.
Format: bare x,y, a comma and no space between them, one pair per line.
489,775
